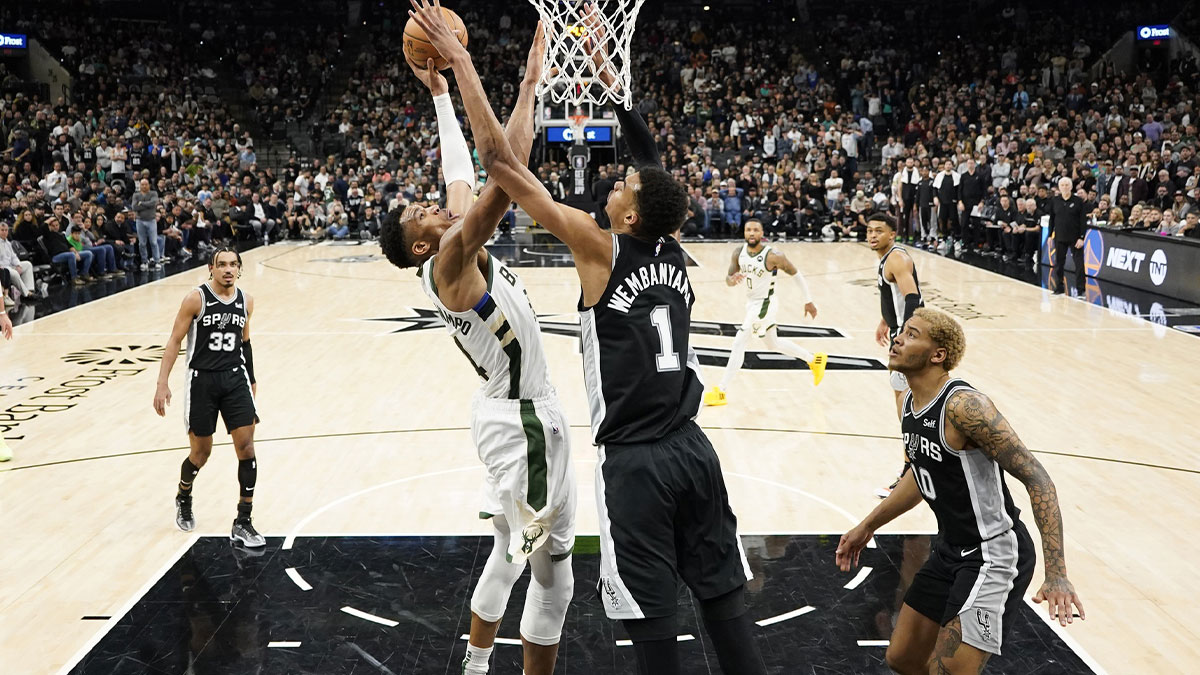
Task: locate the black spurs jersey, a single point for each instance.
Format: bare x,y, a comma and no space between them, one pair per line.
215,339
965,488
890,297
641,374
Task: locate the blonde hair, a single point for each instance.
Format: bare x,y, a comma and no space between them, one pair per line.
945,333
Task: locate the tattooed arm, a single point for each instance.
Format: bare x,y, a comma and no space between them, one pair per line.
982,426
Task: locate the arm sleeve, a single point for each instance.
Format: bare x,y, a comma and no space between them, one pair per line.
637,134
248,357
456,156
911,302
805,296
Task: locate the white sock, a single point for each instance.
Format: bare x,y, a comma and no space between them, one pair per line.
476,662
736,357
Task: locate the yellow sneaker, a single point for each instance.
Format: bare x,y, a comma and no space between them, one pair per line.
5,451
714,396
820,359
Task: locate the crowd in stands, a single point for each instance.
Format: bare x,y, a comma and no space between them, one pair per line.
964,133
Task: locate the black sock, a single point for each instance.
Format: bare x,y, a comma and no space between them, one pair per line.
244,510
187,474
247,476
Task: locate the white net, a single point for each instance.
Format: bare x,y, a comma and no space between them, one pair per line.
587,50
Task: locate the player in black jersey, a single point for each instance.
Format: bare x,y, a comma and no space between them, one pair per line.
899,296
960,446
663,506
215,317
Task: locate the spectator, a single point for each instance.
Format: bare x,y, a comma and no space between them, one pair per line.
21,271
63,252
145,204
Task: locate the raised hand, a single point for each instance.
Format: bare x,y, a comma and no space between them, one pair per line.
595,45
537,55
431,20
430,77
1059,595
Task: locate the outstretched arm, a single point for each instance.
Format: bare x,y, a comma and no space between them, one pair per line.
637,134
482,219
976,418
779,261
457,167
591,246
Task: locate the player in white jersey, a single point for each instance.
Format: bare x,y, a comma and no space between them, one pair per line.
517,423
758,265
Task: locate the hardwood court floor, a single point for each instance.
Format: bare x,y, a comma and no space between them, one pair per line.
364,420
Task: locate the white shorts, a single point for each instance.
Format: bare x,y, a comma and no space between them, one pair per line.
760,315
524,446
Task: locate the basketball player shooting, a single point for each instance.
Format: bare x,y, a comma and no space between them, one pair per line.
664,511
967,595
517,422
758,265
215,317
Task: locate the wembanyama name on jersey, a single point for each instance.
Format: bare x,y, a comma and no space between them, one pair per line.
654,274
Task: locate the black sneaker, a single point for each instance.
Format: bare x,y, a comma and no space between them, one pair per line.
244,532
183,513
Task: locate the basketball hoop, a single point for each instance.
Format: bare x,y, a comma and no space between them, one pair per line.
578,127
584,40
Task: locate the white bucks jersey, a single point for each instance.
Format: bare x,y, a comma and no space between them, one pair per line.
500,336
760,282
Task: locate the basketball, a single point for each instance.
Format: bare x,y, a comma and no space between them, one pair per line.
417,47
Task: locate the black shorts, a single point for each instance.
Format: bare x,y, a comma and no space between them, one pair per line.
218,391
664,516
985,587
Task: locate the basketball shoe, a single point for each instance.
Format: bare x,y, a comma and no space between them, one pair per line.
244,532
715,396
820,360
183,513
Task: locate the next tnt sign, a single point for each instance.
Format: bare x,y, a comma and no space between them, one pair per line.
1154,32
12,41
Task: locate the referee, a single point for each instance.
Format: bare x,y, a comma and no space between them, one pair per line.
1067,222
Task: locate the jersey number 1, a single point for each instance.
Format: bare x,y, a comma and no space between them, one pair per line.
666,361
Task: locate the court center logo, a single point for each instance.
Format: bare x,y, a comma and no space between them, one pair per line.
128,355
1158,267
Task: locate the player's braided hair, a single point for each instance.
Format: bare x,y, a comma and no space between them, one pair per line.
212,261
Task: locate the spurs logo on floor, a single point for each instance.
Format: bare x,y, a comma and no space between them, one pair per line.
117,356
552,324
